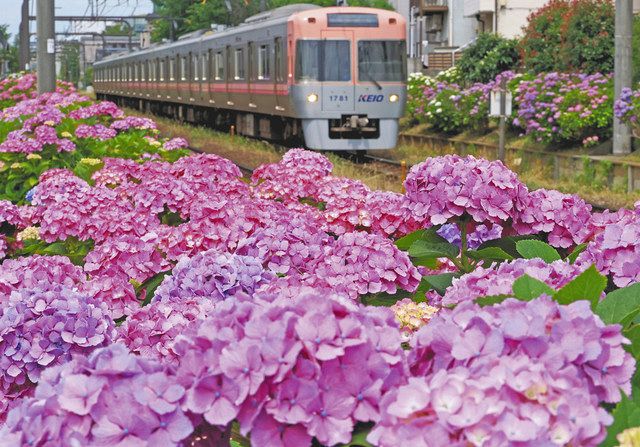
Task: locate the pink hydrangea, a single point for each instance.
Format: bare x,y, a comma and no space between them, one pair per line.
359,263
111,397
96,131
175,143
615,251
389,214
135,122
498,279
564,217
506,374
38,272
101,108
311,366
447,187
42,328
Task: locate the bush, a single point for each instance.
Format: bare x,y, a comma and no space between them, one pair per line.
564,108
570,35
487,57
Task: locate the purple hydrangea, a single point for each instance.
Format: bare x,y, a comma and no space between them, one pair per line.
212,275
110,397
42,328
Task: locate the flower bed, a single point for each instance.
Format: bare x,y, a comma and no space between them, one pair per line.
156,298
548,107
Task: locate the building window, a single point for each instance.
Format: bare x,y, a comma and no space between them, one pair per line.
183,68
264,67
239,64
219,66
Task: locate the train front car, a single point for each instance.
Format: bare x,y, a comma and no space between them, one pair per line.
349,76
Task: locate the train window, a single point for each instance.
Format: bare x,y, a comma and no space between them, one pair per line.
183,68
264,67
161,69
172,69
219,66
323,60
194,67
203,67
238,64
382,60
354,20
135,71
279,60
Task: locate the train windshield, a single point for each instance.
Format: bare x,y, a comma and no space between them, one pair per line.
382,60
323,60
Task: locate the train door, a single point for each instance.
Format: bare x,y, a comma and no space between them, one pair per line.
194,78
279,77
229,74
338,84
251,74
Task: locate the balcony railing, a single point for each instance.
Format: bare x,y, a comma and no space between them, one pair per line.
434,5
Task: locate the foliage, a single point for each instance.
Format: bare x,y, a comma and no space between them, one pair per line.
191,16
70,62
489,56
570,35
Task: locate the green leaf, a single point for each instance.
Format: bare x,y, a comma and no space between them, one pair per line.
527,288
150,286
508,244
490,254
633,334
57,248
359,439
588,285
428,249
532,248
428,262
439,283
625,415
406,241
576,252
490,300
384,299
619,304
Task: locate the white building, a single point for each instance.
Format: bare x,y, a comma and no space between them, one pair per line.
439,30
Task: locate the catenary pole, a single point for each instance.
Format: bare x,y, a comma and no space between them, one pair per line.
46,57
622,70
23,50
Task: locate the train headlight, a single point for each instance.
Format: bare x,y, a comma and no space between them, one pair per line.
312,98
393,98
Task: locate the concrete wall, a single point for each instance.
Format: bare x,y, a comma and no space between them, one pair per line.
465,29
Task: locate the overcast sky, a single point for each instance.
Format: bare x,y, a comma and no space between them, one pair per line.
10,11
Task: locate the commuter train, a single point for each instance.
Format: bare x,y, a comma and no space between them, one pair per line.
333,78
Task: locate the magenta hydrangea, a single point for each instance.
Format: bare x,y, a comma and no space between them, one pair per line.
96,131
498,279
359,263
311,366
110,397
565,218
442,188
42,328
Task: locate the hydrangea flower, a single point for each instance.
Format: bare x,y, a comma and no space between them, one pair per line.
38,272
42,328
412,316
212,275
564,217
505,374
447,187
311,366
111,397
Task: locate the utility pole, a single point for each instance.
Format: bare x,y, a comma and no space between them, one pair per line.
45,27
23,53
622,71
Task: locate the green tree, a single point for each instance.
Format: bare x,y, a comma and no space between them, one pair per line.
118,29
192,15
487,57
70,62
8,52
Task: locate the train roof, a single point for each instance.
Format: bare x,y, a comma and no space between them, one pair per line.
295,12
